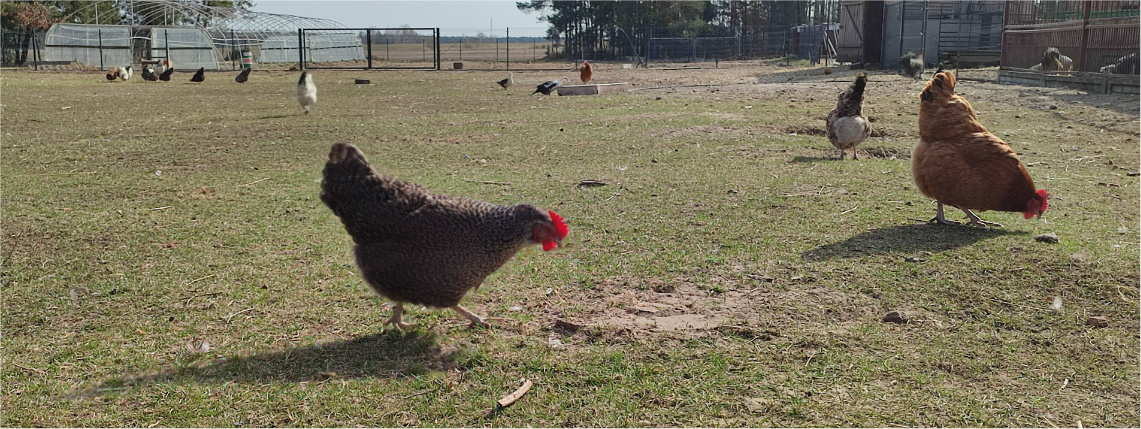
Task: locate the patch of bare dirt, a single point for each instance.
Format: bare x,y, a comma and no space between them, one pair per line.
683,307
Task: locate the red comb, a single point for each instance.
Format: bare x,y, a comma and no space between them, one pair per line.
1041,193
560,226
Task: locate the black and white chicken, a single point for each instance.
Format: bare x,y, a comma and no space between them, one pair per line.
149,74
306,91
547,87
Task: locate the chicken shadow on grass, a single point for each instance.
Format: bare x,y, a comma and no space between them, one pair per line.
381,355
904,239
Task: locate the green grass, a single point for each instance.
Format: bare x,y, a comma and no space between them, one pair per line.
781,259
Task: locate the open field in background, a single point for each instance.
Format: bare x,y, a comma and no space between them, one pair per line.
730,273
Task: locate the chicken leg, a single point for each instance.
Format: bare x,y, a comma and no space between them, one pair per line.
479,321
975,220
939,216
397,312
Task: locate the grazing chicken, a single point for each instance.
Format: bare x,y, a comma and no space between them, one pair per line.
586,72
959,163
199,75
243,76
547,87
416,247
165,76
113,74
149,74
847,125
126,73
506,83
306,91
912,65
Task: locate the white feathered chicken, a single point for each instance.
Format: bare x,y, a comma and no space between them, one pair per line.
306,91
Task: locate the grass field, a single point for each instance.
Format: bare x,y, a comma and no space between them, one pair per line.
166,259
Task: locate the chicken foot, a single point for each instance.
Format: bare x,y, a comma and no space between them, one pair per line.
395,320
479,321
939,216
975,220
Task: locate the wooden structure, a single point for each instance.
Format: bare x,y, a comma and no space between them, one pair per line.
1093,34
880,32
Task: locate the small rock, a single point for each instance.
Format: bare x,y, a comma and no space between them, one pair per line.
516,308
1048,237
1123,230
1056,306
1053,107
895,316
1097,321
555,343
570,326
657,98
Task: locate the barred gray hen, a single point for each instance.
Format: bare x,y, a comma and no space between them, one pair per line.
413,246
847,125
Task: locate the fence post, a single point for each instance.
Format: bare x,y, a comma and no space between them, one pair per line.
438,54
233,50
100,46
508,61
301,49
368,39
386,55
1082,54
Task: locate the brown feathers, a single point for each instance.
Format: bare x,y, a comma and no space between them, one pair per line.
960,163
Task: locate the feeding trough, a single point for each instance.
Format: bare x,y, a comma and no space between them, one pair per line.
594,88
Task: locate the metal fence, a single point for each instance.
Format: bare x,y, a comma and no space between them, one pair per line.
1096,36
20,48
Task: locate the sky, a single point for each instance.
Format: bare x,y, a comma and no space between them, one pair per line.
453,18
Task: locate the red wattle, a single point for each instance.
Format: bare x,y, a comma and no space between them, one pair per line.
548,245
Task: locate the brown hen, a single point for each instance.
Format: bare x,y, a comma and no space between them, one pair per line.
413,246
959,163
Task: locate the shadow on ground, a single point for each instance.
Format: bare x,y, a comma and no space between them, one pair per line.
904,239
382,355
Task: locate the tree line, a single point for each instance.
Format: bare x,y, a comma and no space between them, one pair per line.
611,29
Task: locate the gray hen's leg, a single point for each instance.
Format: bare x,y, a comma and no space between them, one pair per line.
397,311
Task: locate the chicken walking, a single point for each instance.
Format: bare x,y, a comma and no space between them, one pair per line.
306,91
416,247
508,81
958,162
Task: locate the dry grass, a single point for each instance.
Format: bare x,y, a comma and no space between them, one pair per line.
730,273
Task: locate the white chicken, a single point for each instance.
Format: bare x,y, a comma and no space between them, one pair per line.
306,91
